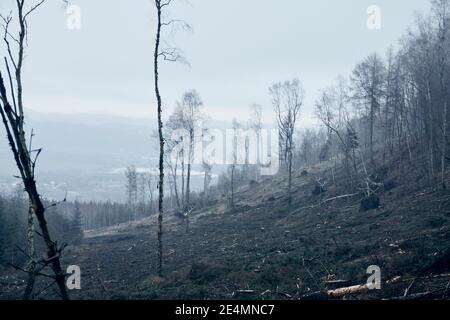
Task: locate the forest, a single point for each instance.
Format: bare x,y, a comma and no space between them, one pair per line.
367,185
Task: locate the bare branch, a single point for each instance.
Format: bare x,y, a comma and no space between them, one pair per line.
33,8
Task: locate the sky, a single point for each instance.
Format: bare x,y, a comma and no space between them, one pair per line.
236,51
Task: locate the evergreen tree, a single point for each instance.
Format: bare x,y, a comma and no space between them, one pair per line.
77,224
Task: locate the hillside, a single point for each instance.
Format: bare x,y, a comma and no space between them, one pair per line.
263,250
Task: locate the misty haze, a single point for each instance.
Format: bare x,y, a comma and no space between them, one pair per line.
202,150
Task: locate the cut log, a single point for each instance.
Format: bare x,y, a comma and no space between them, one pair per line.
347,290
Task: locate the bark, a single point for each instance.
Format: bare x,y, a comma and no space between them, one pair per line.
347,290
290,176
443,90
444,147
232,185
189,168
183,184
175,185
31,250
431,137
159,6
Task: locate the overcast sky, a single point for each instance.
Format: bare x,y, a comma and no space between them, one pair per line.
237,49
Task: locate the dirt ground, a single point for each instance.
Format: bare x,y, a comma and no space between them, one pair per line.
265,250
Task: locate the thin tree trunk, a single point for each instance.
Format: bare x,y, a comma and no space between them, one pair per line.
31,251
372,116
188,188
183,194
161,141
290,178
444,147
232,185
53,253
175,185
188,182
431,141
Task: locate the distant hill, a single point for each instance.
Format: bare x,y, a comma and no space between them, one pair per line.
80,151
84,155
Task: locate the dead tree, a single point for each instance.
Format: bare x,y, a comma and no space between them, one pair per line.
332,114
173,55
287,99
368,85
13,120
235,148
257,126
191,104
206,179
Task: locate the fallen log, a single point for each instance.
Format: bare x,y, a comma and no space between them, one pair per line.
421,295
347,290
328,200
340,197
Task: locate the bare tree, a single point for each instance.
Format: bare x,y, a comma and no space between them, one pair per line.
368,80
173,167
25,157
287,99
333,115
206,180
168,54
256,125
191,121
142,194
175,152
235,146
150,186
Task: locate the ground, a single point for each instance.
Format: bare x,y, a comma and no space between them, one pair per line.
262,249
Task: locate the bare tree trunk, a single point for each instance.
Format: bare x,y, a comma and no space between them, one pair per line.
258,155
188,188
444,119
188,182
444,146
187,223
431,141
372,120
183,194
31,251
290,179
290,169
53,252
161,139
175,186
233,167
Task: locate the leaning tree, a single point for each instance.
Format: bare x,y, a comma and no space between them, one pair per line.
15,27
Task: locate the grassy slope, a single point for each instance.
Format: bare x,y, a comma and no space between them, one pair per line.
275,251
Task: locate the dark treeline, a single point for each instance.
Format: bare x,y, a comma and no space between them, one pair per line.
96,215
13,227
